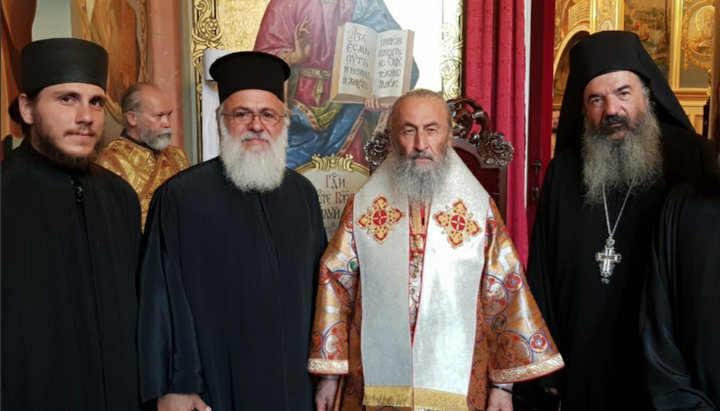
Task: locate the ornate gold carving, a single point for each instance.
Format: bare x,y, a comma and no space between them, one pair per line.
143,40
205,34
578,12
571,17
333,162
607,12
452,45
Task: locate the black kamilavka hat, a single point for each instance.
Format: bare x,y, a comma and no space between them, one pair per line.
605,52
245,70
63,60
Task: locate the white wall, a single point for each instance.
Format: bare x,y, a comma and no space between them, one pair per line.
52,19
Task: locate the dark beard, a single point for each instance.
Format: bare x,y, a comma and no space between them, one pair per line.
46,146
635,161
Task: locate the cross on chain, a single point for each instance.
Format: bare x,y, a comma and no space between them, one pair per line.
607,259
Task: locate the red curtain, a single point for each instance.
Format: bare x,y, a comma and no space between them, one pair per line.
494,74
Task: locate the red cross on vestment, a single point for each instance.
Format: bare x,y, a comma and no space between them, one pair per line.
380,219
457,223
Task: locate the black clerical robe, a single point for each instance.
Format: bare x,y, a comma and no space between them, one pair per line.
70,243
681,304
227,285
595,325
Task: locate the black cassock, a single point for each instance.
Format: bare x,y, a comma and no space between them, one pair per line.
70,243
595,325
681,308
227,289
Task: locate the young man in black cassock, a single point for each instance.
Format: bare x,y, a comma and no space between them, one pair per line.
70,243
230,261
680,310
623,142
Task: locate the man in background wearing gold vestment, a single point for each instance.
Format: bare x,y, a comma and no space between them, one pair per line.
142,155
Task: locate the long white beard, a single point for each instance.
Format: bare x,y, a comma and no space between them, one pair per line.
419,182
635,160
258,169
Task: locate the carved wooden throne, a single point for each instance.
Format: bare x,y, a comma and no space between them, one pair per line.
482,149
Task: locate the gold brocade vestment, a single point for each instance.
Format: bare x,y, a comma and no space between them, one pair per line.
142,167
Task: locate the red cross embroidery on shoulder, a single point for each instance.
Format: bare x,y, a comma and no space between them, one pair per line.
380,219
457,223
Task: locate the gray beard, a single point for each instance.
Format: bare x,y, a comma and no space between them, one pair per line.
260,170
634,161
418,182
157,141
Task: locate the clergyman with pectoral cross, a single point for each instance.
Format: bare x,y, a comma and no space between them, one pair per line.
623,142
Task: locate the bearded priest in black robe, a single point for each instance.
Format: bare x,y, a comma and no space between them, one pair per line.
70,243
623,142
230,263
680,311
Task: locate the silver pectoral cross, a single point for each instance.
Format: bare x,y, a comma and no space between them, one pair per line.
607,260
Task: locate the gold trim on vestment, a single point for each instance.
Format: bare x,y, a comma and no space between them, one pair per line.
403,396
318,366
527,372
439,400
388,396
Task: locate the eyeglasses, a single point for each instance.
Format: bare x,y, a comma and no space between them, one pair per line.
267,117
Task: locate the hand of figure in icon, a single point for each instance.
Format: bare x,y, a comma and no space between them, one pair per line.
373,104
303,43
